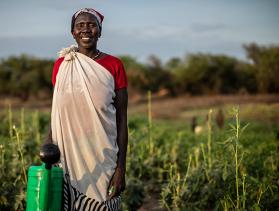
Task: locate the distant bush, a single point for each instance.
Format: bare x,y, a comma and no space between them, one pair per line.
265,66
24,76
196,74
213,74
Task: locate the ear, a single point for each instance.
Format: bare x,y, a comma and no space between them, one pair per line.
100,32
73,35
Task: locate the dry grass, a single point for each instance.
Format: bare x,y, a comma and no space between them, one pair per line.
252,107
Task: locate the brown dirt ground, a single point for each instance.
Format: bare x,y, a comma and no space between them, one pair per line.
178,108
183,107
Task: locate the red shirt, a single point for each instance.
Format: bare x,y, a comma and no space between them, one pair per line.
111,63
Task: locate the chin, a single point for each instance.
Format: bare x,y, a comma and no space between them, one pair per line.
86,45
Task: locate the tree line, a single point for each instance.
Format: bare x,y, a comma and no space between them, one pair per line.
196,74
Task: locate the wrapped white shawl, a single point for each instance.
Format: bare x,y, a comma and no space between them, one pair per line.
83,123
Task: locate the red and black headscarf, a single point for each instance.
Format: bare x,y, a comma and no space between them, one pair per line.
98,16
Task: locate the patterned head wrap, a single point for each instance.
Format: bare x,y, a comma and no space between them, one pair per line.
98,16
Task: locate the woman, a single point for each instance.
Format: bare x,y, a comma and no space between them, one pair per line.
89,118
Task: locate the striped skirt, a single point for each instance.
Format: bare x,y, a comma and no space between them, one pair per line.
81,202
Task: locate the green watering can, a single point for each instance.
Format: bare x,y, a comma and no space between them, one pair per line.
45,183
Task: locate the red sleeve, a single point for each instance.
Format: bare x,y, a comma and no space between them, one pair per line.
116,68
120,77
56,68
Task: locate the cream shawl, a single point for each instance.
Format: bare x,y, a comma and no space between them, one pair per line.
83,123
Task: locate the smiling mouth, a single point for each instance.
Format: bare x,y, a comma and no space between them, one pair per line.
85,38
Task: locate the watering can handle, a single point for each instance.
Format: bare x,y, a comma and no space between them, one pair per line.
49,154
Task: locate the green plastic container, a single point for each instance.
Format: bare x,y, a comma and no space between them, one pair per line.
56,189
44,188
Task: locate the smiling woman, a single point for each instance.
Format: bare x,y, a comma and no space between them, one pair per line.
89,118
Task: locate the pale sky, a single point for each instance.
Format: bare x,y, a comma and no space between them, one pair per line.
140,28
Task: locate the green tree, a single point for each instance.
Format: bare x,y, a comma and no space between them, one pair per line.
265,61
158,76
24,76
210,74
135,73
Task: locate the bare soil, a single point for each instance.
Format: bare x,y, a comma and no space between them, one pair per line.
183,107
175,108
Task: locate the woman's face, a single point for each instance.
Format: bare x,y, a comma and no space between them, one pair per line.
86,31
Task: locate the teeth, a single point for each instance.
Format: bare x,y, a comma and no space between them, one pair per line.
85,38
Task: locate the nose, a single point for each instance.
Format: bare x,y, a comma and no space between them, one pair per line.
85,28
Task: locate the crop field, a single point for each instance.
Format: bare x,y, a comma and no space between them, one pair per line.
169,166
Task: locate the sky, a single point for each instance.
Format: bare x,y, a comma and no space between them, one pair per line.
163,28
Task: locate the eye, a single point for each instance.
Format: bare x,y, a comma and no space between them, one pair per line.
79,25
92,25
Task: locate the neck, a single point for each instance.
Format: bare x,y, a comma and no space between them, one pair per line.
91,52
